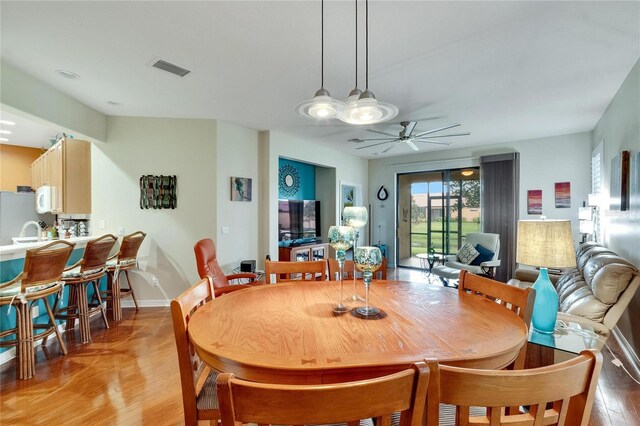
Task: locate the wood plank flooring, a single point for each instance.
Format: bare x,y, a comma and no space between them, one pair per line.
128,375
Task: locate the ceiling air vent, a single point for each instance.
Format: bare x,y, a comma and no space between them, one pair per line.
169,67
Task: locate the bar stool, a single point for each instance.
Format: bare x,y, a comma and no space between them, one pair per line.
122,261
40,278
87,271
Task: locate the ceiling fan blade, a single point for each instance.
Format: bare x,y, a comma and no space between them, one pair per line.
410,128
430,141
438,130
382,133
448,136
390,148
358,140
375,144
413,145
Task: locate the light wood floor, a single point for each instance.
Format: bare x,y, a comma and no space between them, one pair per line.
128,375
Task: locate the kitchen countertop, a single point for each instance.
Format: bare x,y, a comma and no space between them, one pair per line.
14,251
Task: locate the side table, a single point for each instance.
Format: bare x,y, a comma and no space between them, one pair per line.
566,341
428,261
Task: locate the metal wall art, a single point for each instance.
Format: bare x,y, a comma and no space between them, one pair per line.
158,192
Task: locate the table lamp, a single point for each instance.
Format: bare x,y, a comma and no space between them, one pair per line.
356,217
545,244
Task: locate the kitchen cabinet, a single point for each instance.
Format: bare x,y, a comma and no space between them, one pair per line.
66,167
304,253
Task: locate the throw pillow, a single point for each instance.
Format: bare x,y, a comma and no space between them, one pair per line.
484,256
467,253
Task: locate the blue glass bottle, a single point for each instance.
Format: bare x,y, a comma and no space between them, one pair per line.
545,307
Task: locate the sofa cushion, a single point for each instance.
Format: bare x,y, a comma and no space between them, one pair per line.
589,253
608,276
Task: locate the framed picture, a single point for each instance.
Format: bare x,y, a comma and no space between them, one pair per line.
241,189
350,195
619,187
534,201
563,195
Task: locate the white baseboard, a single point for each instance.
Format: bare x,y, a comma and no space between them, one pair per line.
11,353
128,303
628,351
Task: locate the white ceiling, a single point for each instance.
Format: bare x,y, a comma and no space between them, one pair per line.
505,70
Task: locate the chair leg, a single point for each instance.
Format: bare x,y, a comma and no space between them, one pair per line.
133,294
83,313
115,297
26,362
72,301
55,327
96,296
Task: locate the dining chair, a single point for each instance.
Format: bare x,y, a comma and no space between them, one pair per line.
199,400
207,264
379,274
516,299
249,402
123,261
41,277
313,270
77,277
568,387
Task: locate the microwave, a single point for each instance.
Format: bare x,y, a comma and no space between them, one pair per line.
44,199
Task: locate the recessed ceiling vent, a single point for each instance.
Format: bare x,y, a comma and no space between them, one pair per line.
169,67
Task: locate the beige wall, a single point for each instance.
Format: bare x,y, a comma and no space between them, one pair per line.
158,146
619,128
15,166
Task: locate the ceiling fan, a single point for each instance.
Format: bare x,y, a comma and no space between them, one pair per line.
406,135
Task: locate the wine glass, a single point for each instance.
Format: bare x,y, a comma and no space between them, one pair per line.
355,217
341,238
367,259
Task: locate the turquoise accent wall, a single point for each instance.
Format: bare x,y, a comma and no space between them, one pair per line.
306,173
9,269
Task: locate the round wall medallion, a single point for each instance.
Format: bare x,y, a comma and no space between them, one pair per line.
288,180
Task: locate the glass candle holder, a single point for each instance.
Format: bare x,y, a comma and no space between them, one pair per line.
355,217
368,260
341,238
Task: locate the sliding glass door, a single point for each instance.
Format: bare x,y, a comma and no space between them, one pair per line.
436,210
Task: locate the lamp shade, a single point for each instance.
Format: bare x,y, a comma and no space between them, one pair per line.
545,243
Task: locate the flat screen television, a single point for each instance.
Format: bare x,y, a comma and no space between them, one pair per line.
298,219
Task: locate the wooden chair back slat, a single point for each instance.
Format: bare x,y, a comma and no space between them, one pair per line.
379,274
250,402
314,270
191,366
130,245
570,387
97,252
45,264
516,299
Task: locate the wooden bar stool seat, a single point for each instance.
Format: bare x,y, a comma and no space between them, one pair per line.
123,261
86,272
40,278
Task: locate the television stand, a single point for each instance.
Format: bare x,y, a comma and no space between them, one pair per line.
304,252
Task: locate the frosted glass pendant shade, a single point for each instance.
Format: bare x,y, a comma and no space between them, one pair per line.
322,106
356,217
367,110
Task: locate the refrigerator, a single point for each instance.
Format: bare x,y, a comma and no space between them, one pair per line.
16,208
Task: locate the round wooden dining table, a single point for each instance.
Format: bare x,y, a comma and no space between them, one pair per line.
288,333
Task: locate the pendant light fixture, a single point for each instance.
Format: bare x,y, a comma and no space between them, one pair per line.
352,101
367,109
322,106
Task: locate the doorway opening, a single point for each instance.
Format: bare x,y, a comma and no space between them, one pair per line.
436,210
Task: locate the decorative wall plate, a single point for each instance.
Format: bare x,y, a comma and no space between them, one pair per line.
288,180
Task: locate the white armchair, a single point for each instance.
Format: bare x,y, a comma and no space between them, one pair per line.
452,266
